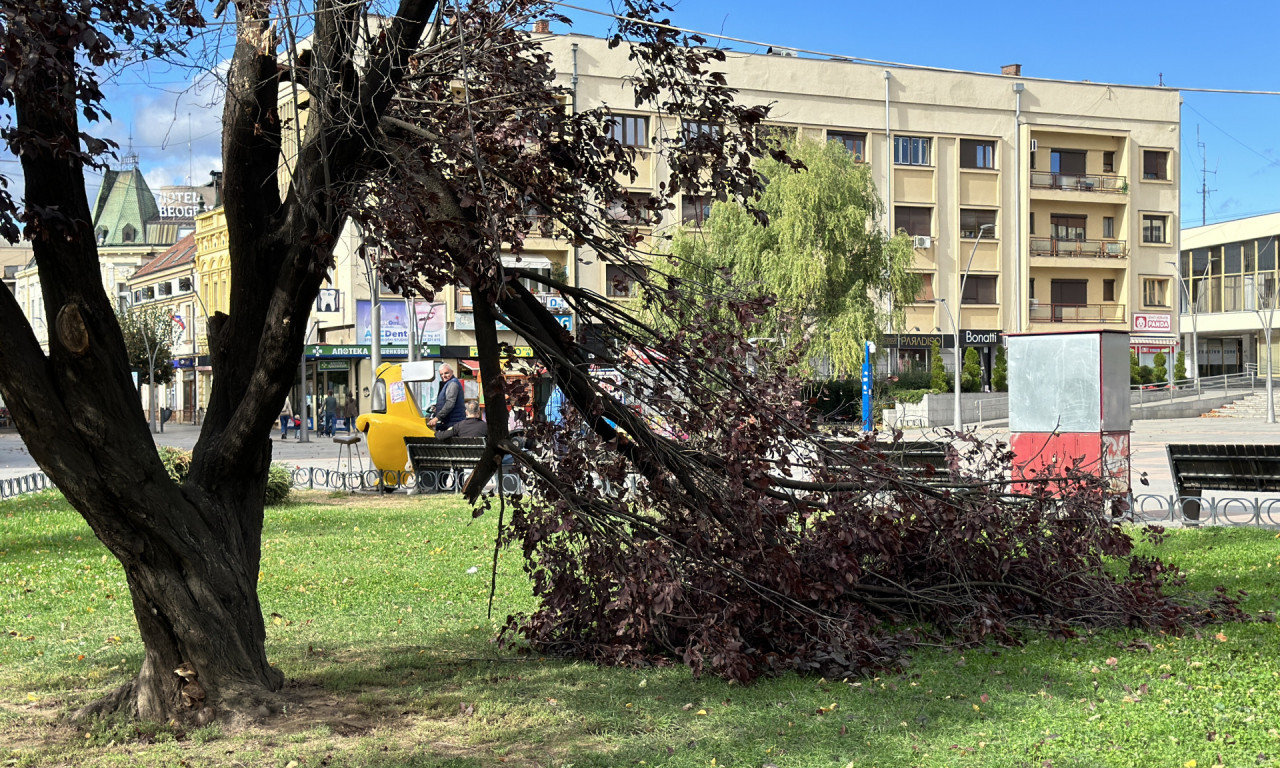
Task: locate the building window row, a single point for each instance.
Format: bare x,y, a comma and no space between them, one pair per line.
912,150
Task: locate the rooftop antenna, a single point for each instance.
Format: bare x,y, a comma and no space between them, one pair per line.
1204,179
130,160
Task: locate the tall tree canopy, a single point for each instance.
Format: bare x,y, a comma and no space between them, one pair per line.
745,548
836,277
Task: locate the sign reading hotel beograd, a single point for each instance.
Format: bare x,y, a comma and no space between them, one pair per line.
1156,322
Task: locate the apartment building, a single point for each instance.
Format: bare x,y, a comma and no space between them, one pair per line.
1034,205
1227,286
168,282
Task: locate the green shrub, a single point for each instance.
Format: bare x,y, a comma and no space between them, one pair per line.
279,485
177,463
971,375
1000,373
1180,366
912,378
1135,370
1159,372
1146,375
938,379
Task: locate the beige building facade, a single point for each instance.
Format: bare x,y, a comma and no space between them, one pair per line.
1228,287
1054,204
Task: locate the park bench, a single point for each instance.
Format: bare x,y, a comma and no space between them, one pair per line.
1198,467
923,459
442,465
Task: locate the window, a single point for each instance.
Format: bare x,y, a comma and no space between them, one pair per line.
911,150
1109,289
465,303
979,289
128,234
856,143
777,134
1069,161
973,219
1031,223
630,130
184,284
149,292
1108,162
378,400
977,154
1067,227
1154,230
1155,165
166,288
695,128
695,209
1109,227
620,282
926,287
1031,288
1155,292
915,220
137,297
632,211
1033,159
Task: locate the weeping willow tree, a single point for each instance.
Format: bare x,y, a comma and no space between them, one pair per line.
835,277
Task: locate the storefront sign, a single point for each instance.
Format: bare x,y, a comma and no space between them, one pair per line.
515,352
364,350
917,340
1152,322
395,322
979,338
332,365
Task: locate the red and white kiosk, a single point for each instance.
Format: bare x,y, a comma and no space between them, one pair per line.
1069,405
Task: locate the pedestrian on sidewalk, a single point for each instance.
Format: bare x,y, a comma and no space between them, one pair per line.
330,414
286,418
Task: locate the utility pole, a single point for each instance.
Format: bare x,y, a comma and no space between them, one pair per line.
1204,180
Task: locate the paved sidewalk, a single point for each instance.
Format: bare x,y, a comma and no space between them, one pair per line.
1148,441
16,461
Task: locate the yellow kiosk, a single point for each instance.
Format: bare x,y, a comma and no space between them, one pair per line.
397,409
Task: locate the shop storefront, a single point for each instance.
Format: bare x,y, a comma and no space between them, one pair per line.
910,351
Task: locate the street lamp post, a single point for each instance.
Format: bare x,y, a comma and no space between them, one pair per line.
955,322
303,433
1267,322
1191,307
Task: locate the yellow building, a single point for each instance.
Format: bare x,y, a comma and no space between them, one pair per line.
168,283
1055,203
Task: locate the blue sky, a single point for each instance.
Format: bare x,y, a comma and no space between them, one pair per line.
1223,45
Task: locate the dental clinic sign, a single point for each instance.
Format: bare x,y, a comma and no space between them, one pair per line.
1156,322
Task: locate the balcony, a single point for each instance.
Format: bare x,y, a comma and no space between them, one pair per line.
1079,182
1079,249
1078,313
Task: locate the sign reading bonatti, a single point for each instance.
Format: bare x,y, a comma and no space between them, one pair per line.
979,338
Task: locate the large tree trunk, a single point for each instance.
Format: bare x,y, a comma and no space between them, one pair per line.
196,603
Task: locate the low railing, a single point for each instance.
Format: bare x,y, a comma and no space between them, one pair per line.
1078,313
1195,511
17,486
1079,182
1081,249
1160,392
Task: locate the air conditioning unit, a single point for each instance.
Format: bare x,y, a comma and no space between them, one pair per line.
922,241
1034,146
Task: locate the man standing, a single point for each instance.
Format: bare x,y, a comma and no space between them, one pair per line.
330,414
448,401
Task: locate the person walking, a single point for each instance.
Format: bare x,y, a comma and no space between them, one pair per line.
350,410
330,414
449,401
286,418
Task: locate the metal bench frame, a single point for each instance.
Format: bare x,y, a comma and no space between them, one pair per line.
1199,467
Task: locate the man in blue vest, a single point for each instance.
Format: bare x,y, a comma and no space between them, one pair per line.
449,401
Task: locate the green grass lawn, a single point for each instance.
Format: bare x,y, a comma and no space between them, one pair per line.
383,636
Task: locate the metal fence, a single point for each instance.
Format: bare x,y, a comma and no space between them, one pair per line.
1220,510
17,486
1141,395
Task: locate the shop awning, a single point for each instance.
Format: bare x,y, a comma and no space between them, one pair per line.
526,262
1153,341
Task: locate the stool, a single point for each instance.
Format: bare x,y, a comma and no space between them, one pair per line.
350,443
